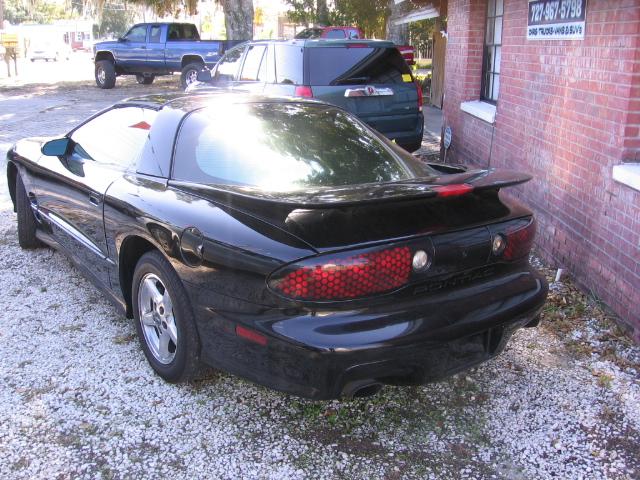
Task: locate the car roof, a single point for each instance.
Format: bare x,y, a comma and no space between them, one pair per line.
326,42
190,102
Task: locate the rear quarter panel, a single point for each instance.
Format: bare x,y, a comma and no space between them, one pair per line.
239,251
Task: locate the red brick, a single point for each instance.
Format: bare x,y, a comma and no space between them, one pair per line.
568,112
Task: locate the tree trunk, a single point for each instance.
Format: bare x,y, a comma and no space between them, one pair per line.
398,34
322,13
238,19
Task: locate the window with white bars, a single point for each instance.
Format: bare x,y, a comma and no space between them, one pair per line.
492,51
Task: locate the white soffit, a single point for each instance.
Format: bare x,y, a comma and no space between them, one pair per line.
416,15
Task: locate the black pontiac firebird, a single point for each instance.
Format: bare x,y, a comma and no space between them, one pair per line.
282,240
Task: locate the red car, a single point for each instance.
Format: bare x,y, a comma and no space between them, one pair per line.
407,51
331,32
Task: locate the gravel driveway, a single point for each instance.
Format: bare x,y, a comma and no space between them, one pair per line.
77,399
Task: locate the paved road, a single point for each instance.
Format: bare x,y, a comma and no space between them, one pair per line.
77,399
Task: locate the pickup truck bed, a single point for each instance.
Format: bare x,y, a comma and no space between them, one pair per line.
151,49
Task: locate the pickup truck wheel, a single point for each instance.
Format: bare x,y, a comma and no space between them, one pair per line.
142,80
105,74
190,74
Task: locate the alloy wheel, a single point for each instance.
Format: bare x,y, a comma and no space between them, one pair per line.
155,311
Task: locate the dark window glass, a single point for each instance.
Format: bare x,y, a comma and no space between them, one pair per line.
336,34
310,33
227,68
182,31
137,34
291,146
116,137
355,65
288,64
154,36
252,62
492,51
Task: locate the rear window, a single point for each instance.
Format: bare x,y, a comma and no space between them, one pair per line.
292,146
355,65
288,64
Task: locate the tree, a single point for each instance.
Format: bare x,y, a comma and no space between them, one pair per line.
114,21
238,14
369,15
399,34
238,19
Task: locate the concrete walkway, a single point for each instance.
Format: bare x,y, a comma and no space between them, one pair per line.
432,130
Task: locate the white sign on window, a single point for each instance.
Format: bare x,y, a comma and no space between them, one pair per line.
556,19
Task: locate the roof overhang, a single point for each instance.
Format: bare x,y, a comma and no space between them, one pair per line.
423,13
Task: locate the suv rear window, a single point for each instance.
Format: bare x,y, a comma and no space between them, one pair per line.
292,146
343,65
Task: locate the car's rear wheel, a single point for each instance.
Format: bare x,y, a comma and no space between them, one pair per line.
105,74
27,224
164,319
189,74
142,80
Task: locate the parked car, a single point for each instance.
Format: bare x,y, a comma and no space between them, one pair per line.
312,255
331,32
366,77
148,50
49,51
407,51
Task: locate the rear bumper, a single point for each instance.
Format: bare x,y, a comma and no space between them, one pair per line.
406,130
324,354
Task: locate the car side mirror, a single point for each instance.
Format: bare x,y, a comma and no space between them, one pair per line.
56,148
204,75
122,40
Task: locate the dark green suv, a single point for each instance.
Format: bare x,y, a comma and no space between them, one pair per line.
366,77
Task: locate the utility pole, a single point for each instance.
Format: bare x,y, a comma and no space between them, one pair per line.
1,14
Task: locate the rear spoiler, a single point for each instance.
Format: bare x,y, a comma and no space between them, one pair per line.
366,194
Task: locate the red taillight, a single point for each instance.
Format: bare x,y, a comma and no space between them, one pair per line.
347,277
304,91
453,190
420,97
519,240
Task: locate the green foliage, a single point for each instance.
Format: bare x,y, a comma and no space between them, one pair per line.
169,7
115,21
369,15
34,11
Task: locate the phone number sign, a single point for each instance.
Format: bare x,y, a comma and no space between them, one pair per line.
556,19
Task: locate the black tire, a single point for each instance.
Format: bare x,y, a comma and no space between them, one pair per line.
412,147
189,72
142,80
185,364
27,223
105,74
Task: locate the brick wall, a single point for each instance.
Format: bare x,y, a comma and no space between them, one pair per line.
568,111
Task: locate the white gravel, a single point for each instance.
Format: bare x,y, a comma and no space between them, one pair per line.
77,400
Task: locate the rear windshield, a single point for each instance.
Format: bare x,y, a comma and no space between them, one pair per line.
310,33
355,65
281,147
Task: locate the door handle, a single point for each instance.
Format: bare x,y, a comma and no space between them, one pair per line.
143,47
94,200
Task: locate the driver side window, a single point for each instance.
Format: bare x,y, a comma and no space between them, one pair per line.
137,34
116,137
227,68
